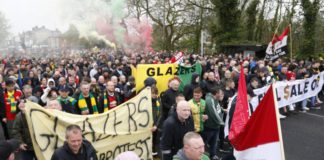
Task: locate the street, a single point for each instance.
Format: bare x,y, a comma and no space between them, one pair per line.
303,135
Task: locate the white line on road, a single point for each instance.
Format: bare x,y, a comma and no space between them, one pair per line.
316,115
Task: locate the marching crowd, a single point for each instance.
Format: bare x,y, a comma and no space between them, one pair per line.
187,124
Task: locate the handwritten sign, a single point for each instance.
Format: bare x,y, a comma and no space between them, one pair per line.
124,128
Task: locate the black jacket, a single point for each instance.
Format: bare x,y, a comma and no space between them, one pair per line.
168,100
87,152
173,132
188,89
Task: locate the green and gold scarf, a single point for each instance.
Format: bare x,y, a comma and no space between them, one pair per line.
83,104
12,101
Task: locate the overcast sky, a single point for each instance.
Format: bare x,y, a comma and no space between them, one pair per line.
25,14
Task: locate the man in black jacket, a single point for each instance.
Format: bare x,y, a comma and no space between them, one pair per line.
168,98
174,129
75,147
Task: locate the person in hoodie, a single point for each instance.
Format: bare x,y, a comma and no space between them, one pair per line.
193,148
75,147
50,92
214,122
188,89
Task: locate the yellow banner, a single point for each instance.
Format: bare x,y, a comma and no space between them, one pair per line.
124,128
162,73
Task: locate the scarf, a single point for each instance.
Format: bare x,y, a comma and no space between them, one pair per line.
66,100
105,102
201,112
83,104
157,107
12,101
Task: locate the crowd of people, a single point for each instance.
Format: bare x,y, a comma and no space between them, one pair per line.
94,83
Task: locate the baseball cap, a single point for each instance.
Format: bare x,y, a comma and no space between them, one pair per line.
64,88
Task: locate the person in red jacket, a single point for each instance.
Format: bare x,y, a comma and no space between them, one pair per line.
11,97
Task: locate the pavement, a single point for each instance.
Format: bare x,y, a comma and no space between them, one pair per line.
303,135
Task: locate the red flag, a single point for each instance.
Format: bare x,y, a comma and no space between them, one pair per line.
241,112
278,45
280,38
260,138
178,58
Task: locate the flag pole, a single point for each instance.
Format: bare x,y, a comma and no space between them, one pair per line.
276,30
278,121
291,42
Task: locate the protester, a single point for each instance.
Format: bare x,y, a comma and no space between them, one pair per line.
174,129
75,147
54,104
68,103
105,84
2,114
11,97
198,106
8,149
156,108
130,88
168,97
188,89
193,148
214,121
21,133
86,102
109,99
28,94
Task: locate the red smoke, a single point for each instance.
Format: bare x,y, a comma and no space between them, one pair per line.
137,35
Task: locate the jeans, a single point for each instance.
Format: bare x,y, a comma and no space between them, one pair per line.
304,103
210,137
313,101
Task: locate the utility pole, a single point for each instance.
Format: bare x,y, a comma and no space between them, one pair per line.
202,43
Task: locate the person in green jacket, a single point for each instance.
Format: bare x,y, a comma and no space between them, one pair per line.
215,120
193,148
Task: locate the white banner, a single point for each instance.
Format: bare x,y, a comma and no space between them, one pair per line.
124,128
289,92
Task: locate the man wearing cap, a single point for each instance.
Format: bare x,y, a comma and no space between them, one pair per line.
68,103
11,97
8,148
